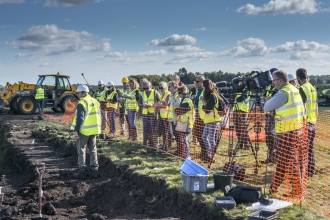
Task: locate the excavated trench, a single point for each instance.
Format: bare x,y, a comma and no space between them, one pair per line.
118,193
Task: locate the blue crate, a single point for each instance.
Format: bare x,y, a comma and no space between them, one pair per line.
189,167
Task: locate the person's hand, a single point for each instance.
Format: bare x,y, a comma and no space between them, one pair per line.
76,135
119,91
164,103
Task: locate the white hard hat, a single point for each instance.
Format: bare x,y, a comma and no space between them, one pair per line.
291,77
100,82
82,88
110,84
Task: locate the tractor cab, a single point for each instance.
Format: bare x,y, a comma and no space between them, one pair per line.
58,91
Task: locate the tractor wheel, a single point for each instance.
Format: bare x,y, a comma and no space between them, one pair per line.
57,109
13,104
69,104
26,105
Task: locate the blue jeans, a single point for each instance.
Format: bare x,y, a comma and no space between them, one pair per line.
131,114
40,105
209,137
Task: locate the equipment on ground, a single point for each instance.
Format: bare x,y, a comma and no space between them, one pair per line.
59,95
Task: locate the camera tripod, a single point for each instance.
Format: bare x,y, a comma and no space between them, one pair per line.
257,107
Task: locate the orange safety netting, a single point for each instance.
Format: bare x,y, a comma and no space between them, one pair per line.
244,144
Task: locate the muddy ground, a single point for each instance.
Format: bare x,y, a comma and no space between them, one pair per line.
116,194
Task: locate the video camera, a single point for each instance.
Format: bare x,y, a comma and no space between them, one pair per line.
254,81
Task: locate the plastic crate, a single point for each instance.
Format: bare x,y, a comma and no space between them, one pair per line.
261,214
189,167
224,202
194,183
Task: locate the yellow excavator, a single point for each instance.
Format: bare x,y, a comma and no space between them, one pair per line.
59,95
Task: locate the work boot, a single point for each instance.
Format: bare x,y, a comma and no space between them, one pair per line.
80,174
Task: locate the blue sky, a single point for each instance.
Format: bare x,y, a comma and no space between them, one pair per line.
109,39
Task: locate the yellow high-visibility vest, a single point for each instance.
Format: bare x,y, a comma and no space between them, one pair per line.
213,116
132,104
92,121
311,103
242,106
164,111
100,95
110,103
149,100
190,115
290,116
40,94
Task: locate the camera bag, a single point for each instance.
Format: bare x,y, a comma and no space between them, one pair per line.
244,194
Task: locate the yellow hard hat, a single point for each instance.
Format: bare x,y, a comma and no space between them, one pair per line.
125,79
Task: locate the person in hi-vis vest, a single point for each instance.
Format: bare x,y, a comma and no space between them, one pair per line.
39,97
111,98
122,108
309,97
240,117
185,114
162,114
290,159
270,91
86,126
213,109
174,102
100,96
132,97
147,101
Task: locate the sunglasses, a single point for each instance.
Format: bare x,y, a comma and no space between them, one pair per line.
160,87
196,81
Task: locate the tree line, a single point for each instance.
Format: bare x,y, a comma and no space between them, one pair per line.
320,81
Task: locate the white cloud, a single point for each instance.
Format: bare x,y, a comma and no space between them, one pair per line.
279,63
305,55
174,40
114,54
12,1
187,48
251,41
43,64
51,40
190,57
153,53
202,29
301,45
321,63
274,7
249,51
23,55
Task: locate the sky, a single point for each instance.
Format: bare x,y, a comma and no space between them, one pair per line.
109,39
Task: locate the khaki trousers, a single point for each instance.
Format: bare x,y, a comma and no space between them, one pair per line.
87,142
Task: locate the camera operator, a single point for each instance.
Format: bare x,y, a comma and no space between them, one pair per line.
309,97
111,98
240,116
289,115
269,127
